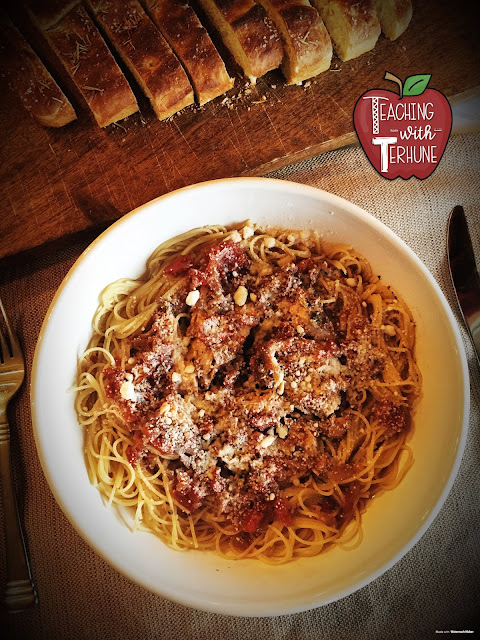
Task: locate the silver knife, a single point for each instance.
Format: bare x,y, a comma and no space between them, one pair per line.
463,270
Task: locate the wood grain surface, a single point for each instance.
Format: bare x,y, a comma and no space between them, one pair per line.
57,182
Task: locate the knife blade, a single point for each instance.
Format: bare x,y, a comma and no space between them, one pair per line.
464,273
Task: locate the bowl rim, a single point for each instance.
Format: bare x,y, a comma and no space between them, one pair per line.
316,193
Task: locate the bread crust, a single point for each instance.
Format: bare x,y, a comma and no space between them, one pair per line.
308,48
248,33
190,41
146,53
48,12
29,79
353,25
87,59
394,16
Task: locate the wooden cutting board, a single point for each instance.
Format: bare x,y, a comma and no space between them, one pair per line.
56,182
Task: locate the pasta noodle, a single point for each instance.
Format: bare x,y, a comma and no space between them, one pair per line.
250,393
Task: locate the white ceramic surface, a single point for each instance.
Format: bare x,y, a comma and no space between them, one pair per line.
393,522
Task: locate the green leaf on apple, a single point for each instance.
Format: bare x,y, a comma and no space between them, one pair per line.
416,85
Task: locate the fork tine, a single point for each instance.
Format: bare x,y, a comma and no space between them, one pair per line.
3,342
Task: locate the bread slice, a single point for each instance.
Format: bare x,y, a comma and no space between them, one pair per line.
248,33
190,41
146,53
308,48
47,13
87,59
394,16
29,79
353,25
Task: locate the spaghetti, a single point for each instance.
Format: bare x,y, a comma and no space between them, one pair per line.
250,393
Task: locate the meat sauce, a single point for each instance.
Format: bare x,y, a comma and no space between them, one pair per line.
240,398
264,513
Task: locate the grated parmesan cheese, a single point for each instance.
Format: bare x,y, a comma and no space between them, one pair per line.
127,390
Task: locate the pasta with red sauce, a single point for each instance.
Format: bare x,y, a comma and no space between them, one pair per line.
250,393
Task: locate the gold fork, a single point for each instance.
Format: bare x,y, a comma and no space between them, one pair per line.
20,592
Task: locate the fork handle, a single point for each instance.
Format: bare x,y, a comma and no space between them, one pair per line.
20,593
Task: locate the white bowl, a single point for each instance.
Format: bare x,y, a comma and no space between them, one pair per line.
393,522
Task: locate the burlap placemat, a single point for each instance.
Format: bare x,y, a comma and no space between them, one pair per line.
435,587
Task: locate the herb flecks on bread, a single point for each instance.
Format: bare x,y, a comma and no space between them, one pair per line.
308,48
353,25
248,33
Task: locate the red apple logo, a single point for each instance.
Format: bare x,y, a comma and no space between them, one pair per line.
404,135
